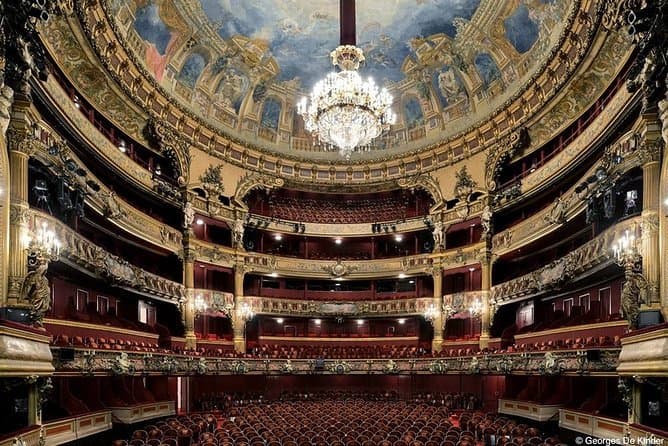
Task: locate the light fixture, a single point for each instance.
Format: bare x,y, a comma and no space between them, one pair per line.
274,274
245,312
338,241
121,146
279,320
278,237
158,170
476,308
77,102
401,321
431,313
402,275
200,305
411,282
625,250
199,222
360,322
471,269
317,321
345,111
398,238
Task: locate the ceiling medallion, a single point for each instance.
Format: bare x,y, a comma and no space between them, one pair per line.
346,112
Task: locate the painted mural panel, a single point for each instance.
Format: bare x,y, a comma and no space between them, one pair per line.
520,30
192,69
487,68
448,86
232,88
413,115
271,112
159,37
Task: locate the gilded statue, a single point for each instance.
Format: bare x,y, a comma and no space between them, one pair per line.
634,293
36,290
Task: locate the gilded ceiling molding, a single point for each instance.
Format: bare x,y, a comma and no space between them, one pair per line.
499,156
425,182
86,15
172,146
253,181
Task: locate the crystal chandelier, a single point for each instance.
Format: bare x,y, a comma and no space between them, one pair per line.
345,111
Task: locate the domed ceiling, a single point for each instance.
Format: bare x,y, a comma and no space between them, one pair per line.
242,64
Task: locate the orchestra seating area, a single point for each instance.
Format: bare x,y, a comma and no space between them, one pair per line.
344,419
331,211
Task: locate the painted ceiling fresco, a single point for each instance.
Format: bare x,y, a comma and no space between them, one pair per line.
443,60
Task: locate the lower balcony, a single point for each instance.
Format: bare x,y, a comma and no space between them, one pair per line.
528,409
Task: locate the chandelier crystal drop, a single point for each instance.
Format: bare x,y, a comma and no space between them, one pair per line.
345,111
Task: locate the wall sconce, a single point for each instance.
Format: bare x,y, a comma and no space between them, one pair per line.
475,310
245,312
199,305
625,250
431,313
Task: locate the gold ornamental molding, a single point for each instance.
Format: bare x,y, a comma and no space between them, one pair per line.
329,269
58,157
645,353
141,88
301,307
79,252
24,353
573,201
594,253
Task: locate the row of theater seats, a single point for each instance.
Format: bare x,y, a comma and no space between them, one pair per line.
339,211
107,343
326,352
347,352
354,421
590,342
225,402
181,431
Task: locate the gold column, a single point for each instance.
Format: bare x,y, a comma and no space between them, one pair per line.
4,217
21,146
663,219
238,322
437,341
189,283
651,266
485,294
34,410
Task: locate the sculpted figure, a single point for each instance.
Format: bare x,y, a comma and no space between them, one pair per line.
36,290
188,215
